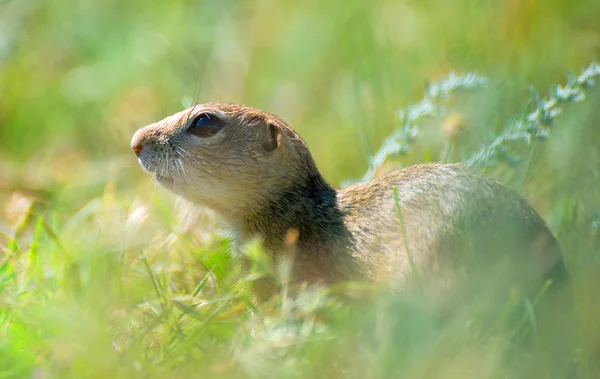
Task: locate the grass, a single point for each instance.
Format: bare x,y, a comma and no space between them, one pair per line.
103,275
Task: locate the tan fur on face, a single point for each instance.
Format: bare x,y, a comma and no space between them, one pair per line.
228,172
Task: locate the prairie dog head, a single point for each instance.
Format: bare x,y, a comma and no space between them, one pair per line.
223,156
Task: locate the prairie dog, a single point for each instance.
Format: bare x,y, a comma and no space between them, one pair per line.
449,226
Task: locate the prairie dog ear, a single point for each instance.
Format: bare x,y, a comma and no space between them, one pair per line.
274,137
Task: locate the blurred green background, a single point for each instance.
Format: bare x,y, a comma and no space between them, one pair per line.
77,78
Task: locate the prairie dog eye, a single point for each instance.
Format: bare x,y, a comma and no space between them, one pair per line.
205,125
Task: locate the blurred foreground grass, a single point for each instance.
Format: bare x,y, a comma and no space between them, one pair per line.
102,276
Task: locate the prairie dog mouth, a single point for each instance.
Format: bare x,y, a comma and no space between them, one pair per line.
162,177
155,168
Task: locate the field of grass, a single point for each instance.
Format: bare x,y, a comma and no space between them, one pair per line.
102,275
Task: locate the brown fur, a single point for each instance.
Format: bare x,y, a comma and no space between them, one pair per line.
455,228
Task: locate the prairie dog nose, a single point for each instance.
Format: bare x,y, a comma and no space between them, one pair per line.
136,143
